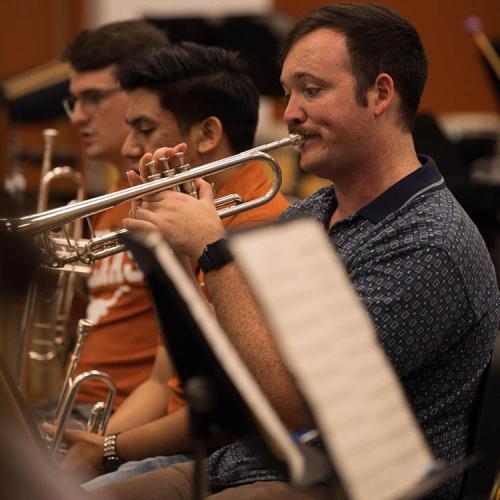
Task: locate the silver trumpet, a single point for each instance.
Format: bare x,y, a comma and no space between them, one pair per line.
47,307
62,251
101,411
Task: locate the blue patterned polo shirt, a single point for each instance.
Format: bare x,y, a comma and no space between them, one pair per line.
425,276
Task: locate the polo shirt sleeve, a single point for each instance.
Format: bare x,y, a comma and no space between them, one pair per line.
418,302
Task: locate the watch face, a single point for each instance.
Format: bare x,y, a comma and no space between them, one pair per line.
215,256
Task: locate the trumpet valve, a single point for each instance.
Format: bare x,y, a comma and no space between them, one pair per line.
169,171
154,175
95,421
188,187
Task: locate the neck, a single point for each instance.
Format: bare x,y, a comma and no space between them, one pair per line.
384,166
118,161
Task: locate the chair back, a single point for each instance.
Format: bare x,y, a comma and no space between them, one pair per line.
479,480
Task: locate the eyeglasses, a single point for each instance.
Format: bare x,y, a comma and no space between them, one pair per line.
89,99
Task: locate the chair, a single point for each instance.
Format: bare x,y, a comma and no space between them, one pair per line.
480,478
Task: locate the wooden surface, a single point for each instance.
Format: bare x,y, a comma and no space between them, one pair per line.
458,80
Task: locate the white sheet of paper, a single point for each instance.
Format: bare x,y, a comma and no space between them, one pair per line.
329,344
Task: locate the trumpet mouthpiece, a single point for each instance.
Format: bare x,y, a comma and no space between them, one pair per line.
85,326
50,132
296,139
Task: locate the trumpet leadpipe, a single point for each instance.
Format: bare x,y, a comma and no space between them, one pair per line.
35,224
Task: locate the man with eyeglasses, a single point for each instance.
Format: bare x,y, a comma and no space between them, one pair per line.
97,112
125,337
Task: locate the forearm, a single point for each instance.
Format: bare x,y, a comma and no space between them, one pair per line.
148,402
166,436
240,317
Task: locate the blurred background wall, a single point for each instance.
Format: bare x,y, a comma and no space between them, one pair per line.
33,32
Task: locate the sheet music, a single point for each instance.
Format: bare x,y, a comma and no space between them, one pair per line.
329,344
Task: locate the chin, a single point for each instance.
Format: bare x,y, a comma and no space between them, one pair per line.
94,153
308,163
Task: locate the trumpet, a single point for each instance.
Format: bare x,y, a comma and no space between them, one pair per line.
101,411
61,251
47,308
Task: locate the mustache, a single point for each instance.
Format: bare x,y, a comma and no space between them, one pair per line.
303,131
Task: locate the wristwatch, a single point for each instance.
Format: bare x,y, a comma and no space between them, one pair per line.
215,256
110,460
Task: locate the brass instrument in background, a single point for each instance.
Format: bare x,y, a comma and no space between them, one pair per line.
101,411
63,251
47,307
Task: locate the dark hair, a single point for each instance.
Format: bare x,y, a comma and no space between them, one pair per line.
378,41
194,82
112,43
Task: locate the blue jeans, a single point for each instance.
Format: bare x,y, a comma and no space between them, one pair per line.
134,468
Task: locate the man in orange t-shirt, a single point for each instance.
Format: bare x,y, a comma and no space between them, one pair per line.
200,96
125,337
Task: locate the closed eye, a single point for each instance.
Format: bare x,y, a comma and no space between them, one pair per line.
144,130
311,91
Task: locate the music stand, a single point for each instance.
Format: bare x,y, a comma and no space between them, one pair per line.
217,406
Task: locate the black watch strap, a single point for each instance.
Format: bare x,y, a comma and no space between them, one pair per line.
215,256
110,459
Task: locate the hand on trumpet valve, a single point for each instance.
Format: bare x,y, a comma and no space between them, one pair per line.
134,180
151,169
85,452
187,223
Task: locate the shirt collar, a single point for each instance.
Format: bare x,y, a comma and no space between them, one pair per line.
425,178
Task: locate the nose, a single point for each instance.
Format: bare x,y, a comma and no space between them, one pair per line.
294,113
79,116
132,149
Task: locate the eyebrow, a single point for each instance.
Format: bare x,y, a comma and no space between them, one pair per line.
88,91
301,75
138,120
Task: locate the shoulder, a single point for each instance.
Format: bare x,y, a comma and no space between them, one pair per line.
315,205
431,242
433,220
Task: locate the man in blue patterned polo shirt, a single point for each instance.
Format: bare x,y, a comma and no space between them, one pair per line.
353,75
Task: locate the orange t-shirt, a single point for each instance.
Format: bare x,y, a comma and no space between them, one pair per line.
251,181
124,341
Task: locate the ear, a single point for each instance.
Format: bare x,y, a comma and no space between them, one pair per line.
207,134
383,93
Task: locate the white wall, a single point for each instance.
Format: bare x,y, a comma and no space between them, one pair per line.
104,11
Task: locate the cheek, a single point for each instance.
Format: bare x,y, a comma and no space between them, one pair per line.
114,113
169,139
154,142
324,114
